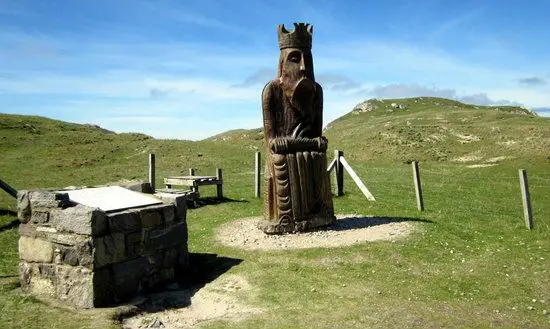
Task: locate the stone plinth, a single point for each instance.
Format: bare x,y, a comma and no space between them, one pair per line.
87,257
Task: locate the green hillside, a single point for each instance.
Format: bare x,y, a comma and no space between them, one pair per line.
471,263
436,129
239,135
40,152
428,129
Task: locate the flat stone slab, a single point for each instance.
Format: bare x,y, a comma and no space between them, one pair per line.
111,198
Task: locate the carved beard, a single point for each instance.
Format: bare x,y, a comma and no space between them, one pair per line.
299,90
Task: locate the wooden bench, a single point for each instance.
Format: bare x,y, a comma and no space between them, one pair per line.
193,182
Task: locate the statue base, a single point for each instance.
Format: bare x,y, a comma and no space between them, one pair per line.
293,227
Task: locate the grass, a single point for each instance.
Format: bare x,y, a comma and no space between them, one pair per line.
474,265
471,264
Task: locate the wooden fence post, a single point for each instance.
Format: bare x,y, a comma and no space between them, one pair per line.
219,186
191,172
338,173
417,186
331,165
10,190
152,170
257,166
526,198
356,179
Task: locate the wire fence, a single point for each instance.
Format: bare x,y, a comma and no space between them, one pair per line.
456,189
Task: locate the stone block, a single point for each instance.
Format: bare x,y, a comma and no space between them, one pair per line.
127,277
79,219
25,275
169,214
84,258
154,261
133,245
145,241
135,237
47,199
151,217
142,187
170,258
63,238
35,250
27,230
109,249
103,287
75,286
79,254
179,201
23,206
69,256
40,217
38,279
126,288
135,267
181,208
124,221
47,271
169,236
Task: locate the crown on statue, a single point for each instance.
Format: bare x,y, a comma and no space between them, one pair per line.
300,37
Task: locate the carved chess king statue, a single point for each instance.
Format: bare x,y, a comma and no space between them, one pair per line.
297,190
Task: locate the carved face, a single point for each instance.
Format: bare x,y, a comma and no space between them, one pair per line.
296,73
295,63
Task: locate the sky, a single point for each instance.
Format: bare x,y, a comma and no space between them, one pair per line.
192,69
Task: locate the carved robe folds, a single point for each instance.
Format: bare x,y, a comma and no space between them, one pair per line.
297,192
297,188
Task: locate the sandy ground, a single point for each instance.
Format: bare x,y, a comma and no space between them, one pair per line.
192,308
346,231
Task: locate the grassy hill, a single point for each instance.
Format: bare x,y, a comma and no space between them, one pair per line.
435,129
428,129
471,264
40,152
240,135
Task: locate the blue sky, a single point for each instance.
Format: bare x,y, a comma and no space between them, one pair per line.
192,69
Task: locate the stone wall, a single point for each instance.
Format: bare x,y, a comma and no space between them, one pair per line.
87,258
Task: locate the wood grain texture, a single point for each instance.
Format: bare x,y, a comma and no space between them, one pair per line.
526,199
357,180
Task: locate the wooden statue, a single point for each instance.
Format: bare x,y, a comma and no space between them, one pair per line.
297,189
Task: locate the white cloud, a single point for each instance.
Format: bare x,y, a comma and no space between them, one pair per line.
455,22
410,90
195,90
415,90
259,77
532,81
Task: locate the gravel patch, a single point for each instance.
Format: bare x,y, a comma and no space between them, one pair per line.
347,230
